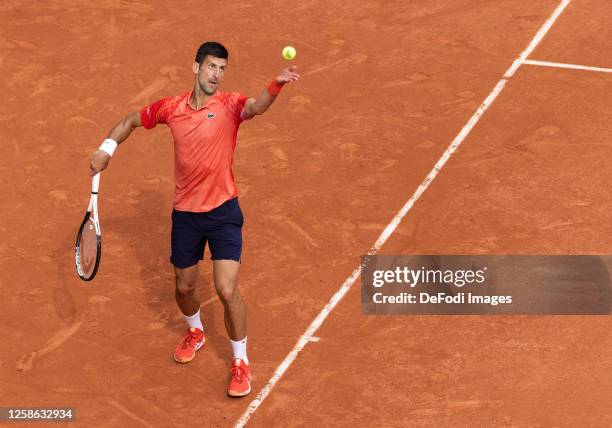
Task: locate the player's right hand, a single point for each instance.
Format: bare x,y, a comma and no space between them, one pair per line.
98,162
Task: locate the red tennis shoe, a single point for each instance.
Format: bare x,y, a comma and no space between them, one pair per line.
187,347
240,383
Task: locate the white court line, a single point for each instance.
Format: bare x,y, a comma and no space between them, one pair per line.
346,285
562,65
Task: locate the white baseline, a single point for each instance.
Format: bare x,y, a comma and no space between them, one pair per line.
346,285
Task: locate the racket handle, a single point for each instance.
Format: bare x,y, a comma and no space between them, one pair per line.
95,183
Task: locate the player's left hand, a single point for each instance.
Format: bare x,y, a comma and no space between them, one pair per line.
288,75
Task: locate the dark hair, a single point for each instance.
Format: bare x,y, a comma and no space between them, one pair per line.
210,48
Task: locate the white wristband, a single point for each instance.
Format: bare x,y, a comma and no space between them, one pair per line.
109,146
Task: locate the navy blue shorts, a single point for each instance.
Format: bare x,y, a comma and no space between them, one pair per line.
221,228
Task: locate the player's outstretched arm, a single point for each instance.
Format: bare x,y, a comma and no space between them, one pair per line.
120,132
259,105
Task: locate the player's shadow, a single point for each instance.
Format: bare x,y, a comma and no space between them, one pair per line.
63,300
147,233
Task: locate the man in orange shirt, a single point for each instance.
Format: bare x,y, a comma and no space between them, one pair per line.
204,124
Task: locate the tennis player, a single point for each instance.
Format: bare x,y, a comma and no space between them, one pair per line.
204,124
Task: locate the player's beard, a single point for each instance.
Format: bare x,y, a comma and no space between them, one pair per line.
207,91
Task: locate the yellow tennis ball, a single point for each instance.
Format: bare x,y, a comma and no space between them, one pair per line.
289,52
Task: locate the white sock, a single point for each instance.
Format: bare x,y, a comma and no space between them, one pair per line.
239,349
194,320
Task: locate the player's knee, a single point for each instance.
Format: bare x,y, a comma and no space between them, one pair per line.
184,287
186,280
229,295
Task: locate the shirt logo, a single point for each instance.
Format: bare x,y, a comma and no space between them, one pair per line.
211,115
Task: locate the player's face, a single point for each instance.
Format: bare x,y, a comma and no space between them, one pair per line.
210,74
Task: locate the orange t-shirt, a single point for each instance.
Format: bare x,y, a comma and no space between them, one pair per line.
204,143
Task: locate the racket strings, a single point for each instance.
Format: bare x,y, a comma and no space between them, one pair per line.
88,248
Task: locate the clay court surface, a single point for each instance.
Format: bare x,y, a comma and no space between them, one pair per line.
385,87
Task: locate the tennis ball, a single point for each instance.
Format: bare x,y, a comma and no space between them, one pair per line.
289,52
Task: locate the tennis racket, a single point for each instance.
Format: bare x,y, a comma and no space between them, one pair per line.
88,247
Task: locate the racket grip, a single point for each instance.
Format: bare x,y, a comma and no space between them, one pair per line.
95,183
